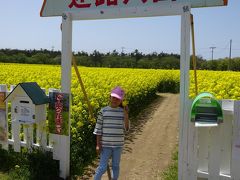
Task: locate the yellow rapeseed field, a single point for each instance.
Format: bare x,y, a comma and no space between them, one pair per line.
140,85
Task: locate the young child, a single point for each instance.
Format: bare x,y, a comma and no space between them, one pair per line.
111,123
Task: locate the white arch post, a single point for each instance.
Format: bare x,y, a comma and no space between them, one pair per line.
184,92
184,88
184,11
66,65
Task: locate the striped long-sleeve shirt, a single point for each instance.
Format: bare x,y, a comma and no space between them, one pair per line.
110,125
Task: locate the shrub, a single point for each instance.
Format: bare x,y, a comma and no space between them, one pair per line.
34,165
20,173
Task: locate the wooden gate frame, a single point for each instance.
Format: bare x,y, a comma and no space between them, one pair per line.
184,77
161,8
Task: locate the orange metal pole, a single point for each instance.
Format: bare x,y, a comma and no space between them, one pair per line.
194,56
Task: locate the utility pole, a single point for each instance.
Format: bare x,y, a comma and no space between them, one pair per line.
230,50
122,53
52,48
230,55
212,51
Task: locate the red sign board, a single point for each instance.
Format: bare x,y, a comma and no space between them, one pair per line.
58,113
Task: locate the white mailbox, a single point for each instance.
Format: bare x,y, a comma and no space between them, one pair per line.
27,102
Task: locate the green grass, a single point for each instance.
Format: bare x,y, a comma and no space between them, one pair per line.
172,171
3,176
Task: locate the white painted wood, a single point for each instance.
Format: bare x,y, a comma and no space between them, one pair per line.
3,88
225,177
214,153
203,144
225,138
202,175
3,118
56,8
192,149
144,11
235,164
40,113
58,142
66,61
28,135
205,176
54,142
12,87
16,136
28,127
64,155
66,88
184,92
41,134
228,106
15,130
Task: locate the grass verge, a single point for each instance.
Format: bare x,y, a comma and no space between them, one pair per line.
172,171
3,176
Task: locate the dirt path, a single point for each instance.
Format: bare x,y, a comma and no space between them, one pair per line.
149,145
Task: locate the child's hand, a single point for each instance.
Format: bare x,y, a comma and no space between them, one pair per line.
98,149
125,108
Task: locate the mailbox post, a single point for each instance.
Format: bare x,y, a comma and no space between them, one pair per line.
27,107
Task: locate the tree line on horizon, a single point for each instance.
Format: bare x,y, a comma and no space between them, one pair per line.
114,59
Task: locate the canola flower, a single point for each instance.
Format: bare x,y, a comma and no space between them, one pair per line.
138,83
222,84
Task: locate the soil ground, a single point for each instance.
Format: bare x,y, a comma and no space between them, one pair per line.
151,141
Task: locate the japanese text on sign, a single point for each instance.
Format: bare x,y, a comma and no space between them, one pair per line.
58,113
82,3
59,110
92,9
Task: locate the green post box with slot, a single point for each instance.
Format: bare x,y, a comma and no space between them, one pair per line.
206,111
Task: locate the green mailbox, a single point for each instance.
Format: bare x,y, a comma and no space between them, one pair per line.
206,110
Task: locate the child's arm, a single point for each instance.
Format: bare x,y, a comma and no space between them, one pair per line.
98,131
99,146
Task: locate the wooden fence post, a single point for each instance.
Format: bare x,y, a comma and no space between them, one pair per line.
235,172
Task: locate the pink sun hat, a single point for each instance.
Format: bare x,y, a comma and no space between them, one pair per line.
118,92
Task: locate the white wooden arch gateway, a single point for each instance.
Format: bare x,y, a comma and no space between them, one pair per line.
71,10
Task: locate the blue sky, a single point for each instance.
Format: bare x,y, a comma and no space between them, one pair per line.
23,28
